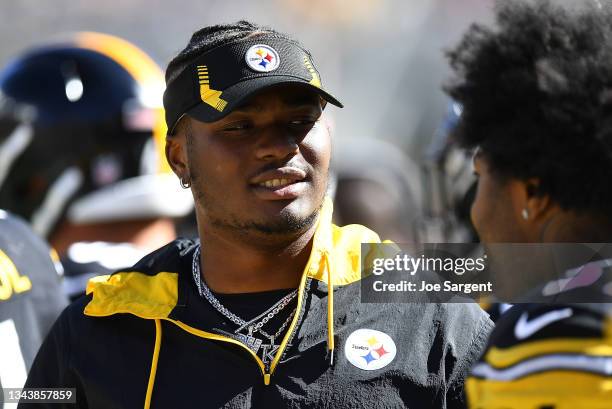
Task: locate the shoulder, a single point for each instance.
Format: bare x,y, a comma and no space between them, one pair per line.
151,288
460,329
353,233
74,325
541,337
26,254
100,256
535,346
9,220
529,323
464,327
462,316
166,258
16,231
85,260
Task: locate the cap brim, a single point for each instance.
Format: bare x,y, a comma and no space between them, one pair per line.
240,92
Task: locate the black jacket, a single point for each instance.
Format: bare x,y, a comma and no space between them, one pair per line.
146,335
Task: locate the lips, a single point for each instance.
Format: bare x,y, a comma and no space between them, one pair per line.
289,174
280,184
276,183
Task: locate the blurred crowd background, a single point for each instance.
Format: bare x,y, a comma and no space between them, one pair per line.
394,168
384,58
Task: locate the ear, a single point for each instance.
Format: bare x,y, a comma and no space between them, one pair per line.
528,203
176,155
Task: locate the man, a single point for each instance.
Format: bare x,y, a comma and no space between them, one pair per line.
537,103
245,318
81,153
30,299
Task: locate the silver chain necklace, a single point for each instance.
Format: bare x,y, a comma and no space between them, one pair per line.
252,326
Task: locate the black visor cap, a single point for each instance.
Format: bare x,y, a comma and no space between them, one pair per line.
223,78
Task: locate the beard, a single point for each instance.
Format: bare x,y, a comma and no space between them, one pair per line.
213,202
287,223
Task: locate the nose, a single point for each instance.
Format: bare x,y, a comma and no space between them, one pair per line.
276,143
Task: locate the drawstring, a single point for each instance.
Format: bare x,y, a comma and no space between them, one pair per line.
330,334
158,334
330,310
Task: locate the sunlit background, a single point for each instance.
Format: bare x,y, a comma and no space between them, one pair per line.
383,58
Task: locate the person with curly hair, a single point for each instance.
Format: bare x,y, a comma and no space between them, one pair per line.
536,93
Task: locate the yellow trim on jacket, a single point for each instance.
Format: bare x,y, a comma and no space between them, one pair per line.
154,296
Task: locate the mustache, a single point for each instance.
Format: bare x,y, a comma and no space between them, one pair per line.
273,166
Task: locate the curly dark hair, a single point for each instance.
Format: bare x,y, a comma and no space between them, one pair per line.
537,99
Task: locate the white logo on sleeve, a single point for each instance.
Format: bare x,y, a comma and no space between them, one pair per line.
262,58
525,328
369,349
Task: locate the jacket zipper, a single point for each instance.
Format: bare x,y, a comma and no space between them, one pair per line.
217,337
266,372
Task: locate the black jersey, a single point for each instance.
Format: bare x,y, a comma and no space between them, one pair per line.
556,354
30,297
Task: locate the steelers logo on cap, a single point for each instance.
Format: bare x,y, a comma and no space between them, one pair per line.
262,58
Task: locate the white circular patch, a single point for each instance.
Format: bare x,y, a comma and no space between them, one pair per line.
369,349
262,58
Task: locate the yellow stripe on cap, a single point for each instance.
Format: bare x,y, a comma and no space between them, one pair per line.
208,95
316,81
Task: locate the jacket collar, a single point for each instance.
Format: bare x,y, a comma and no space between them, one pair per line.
152,289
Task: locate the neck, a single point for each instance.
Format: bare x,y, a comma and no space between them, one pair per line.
570,227
242,266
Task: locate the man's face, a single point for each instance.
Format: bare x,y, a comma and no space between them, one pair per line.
493,211
263,167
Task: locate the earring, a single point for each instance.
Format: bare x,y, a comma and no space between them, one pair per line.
525,214
184,185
